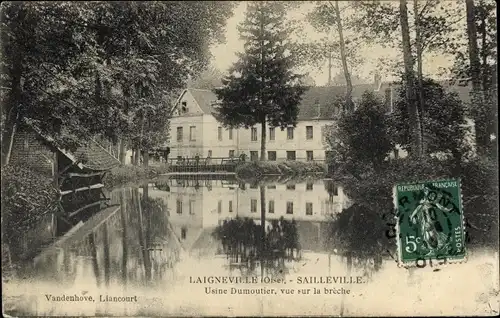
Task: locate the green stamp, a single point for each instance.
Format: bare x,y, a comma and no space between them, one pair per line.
430,222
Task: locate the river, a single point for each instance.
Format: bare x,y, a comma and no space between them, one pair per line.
159,242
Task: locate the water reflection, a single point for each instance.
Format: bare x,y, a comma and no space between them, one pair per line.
127,243
155,237
254,226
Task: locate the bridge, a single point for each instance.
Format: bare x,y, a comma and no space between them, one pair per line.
218,165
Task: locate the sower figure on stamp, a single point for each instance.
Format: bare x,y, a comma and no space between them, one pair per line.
425,217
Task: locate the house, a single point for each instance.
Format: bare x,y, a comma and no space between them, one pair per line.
196,132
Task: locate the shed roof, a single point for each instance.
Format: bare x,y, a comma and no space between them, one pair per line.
91,156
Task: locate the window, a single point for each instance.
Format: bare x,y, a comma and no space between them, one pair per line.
254,155
219,133
231,153
289,208
309,208
219,207
290,186
230,133
179,133
309,132
272,133
192,133
290,155
289,133
309,186
253,205
388,100
184,107
271,186
271,206
183,233
179,207
191,207
309,155
254,134
271,155
209,153
230,209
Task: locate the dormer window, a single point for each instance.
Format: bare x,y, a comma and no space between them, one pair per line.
184,107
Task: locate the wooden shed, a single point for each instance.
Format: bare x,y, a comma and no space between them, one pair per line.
78,175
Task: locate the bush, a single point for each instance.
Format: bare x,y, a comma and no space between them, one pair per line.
26,197
125,174
254,170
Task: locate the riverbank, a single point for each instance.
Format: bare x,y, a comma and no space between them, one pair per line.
256,170
128,174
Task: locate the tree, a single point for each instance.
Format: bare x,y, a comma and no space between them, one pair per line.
362,136
480,70
326,17
210,78
444,116
416,133
80,70
262,87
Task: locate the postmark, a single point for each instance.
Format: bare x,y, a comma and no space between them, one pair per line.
430,223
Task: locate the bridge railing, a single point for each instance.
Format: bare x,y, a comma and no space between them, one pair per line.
207,164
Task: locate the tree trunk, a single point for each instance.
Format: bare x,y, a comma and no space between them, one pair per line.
11,135
263,223
13,111
416,132
122,150
263,141
136,156
145,159
348,94
420,85
482,138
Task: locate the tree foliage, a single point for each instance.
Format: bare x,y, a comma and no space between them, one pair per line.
209,78
80,69
444,117
362,137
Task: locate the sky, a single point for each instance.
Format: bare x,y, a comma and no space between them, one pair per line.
225,54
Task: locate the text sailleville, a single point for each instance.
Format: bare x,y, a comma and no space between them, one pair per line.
330,280
223,280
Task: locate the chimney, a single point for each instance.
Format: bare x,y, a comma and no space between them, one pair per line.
377,81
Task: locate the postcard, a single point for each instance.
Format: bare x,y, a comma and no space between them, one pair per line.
249,158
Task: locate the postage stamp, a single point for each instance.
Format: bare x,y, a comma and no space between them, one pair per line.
430,222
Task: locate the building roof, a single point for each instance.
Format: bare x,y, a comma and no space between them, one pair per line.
91,156
325,97
95,157
319,102
205,99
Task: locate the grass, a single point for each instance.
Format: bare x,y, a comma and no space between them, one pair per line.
257,170
128,174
